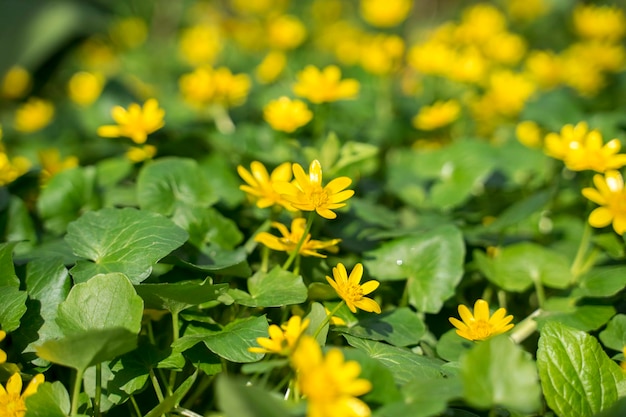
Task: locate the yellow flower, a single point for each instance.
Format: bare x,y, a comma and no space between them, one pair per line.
350,289
599,22
432,57
528,133
199,45
610,194
558,145
97,55
140,153
3,355
258,7
385,13
623,363
508,92
283,339
505,48
329,383
33,115
581,74
12,399
136,123
480,325
324,86
285,32
381,54
335,320
85,87
307,193
129,32
10,170
260,184
52,164
544,68
289,240
439,114
205,86
271,67
16,82
480,23
287,115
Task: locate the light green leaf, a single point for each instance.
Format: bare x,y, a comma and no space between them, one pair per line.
498,372
222,179
236,399
601,281
176,297
206,225
20,226
424,398
126,240
520,210
317,315
432,263
8,277
451,346
12,307
581,317
50,400
578,378
214,260
399,327
384,389
273,289
614,336
172,401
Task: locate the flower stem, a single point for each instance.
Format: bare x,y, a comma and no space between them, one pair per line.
157,387
296,251
579,265
135,406
327,319
96,400
76,392
525,327
251,243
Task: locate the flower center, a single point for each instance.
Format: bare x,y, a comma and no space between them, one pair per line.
353,292
481,330
12,405
319,198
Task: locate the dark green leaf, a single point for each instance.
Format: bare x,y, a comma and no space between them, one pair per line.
172,401
236,399
273,289
214,260
399,327
176,297
8,277
451,346
583,317
12,307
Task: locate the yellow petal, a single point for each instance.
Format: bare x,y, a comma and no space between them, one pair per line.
367,304
356,274
33,385
600,217
369,286
465,314
481,310
14,384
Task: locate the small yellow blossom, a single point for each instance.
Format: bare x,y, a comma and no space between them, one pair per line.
206,86
12,399
16,82
287,115
623,363
285,32
529,134
308,194
259,184
381,54
440,114
599,22
284,339
469,66
329,383
271,67
33,115
544,68
325,85
200,44
98,55
3,354
385,13
137,154
432,57
52,164
611,196
11,169
289,240
129,32
581,74
135,123
480,23
505,48
349,288
480,325
85,87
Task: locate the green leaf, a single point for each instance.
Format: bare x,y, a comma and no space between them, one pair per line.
618,409
578,378
176,297
8,277
601,281
12,307
222,179
273,289
236,399
614,336
167,184
424,398
317,315
208,226
214,260
583,317
50,400
126,240
172,401
20,226
520,210
451,346
498,372
432,263
384,389
399,327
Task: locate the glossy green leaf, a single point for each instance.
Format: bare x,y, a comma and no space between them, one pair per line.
236,399
176,297
126,240
384,389
451,346
399,327
432,264
12,307
272,289
499,372
206,225
581,317
214,260
601,281
614,336
172,401
20,226
223,179
8,277
50,400
424,398
317,316
578,378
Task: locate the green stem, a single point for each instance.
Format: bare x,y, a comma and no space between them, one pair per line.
327,319
133,402
76,392
539,291
157,387
578,265
200,389
96,401
525,327
251,243
296,251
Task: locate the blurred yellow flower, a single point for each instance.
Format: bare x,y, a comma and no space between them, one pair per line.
11,169
141,153
306,193
129,32
432,57
385,13
284,339
623,363
200,44
611,196
271,67
33,115
135,123
480,23
529,134
469,65
325,85
12,398
544,67
16,82
526,10
3,354
439,114
260,185
599,22
381,54
287,115
604,55
509,92
558,145
584,76
290,239
51,163
329,383
85,87
481,325
206,86
258,7
98,55
349,288
285,32
505,48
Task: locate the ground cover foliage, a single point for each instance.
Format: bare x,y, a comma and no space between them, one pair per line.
315,208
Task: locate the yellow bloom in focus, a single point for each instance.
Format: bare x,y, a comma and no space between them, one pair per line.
325,85
260,184
529,134
129,32
385,13
85,87
199,45
271,67
285,32
611,196
287,115
329,382
480,325
33,115
206,86
136,123
12,402
308,194
52,164
284,339
599,22
439,114
349,288
11,169
138,154
16,82
3,354
290,239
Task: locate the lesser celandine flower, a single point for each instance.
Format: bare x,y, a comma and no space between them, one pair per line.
52,163
283,339
85,87
329,383
33,115
12,398
381,54
611,196
287,115
290,239
285,32
11,169
599,22
480,22
544,68
141,153
306,193
529,134
136,122
16,82
3,355
206,86
271,67
440,114
508,92
349,288
200,44
325,85
481,325
260,185
385,13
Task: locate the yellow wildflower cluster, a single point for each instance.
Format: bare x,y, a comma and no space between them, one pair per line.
207,86
136,122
